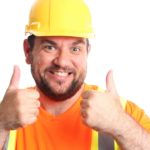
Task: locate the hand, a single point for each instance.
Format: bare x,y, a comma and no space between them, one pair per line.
19,107
102,111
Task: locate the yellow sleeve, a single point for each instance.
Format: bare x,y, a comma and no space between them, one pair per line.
138,114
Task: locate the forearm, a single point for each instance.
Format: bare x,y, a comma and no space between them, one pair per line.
130,135
3,136
3,132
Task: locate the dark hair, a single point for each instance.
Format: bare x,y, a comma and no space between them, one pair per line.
31,39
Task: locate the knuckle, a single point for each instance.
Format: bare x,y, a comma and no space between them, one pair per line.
88,94
37,95
27,120
38,103
86,121
84,104
37,112
31,120
84,113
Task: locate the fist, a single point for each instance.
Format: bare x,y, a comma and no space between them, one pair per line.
102,111
19,107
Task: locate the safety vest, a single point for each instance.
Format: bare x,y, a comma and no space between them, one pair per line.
100,141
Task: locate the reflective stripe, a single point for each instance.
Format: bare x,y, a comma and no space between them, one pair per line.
123,102
94,144
101,141
100,89
116,146
12,140
106,142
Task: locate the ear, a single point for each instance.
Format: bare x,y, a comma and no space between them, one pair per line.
89,48
27,51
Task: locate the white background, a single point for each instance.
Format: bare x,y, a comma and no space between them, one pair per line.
122,43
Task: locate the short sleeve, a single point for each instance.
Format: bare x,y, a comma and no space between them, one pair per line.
138,114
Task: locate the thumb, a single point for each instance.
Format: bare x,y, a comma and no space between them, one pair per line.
110,85
14,82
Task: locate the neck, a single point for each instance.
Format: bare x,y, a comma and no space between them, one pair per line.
58,107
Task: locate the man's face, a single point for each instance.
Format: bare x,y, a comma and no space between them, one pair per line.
58,65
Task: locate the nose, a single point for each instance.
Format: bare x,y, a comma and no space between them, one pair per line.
62,59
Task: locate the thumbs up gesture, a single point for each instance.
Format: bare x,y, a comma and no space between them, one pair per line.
102,111
19,107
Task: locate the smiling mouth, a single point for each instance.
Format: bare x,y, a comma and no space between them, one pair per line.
61,73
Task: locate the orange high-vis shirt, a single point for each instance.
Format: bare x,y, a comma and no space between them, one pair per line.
63,132
55,133
66,131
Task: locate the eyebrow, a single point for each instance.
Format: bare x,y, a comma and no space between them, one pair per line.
80,41
49,41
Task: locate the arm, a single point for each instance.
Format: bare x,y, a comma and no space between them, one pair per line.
103,112
130,135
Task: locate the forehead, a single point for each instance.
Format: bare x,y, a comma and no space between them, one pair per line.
62,39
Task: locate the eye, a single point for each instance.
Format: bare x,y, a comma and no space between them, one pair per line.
76,49
49,47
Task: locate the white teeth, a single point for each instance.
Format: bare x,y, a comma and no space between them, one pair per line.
63,74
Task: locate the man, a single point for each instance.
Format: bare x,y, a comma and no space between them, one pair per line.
62,112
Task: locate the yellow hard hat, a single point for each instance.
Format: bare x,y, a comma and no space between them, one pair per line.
60,18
